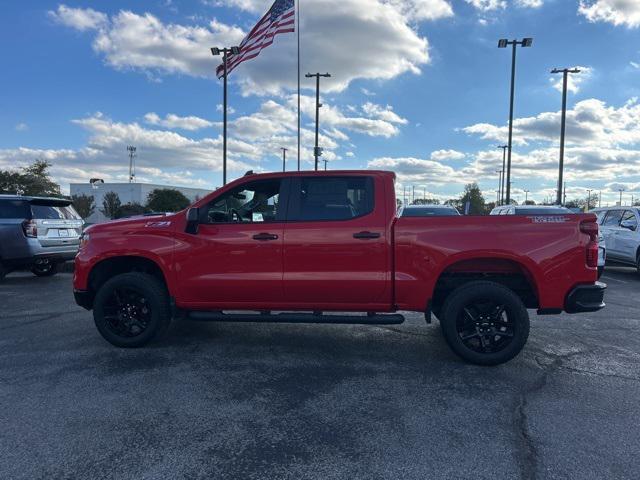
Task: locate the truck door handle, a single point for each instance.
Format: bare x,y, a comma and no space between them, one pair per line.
265,237
366,235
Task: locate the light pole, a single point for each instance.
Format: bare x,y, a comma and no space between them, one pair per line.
621,190
284,158
565,72
499,192
589,199
503,43
215,51
526,196
317,151
504,166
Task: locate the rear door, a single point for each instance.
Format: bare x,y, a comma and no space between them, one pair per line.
336,247
58,223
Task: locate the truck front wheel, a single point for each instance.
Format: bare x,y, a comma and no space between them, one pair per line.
131,309
485,323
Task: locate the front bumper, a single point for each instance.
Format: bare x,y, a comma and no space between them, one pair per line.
83,298
586,298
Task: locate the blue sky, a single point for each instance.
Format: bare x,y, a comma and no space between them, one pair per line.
418,86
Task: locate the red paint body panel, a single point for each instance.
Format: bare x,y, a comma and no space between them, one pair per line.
321,266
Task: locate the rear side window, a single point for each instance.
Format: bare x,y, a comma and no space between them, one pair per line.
331,198
53,212
14,209
613,218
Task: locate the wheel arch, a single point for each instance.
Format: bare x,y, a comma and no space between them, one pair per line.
508,272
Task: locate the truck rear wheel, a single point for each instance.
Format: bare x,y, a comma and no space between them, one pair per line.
132,309
485,323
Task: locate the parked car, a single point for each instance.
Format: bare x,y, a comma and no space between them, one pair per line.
619,226
37,233
318,242
530,210
428,211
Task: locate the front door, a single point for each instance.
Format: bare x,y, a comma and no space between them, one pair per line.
235,259
610,228
336,247
627,237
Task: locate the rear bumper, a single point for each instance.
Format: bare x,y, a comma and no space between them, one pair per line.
83,298
586,298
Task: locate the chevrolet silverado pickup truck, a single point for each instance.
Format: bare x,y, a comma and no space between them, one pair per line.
329,247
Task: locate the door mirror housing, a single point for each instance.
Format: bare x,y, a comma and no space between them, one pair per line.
629,225
193,220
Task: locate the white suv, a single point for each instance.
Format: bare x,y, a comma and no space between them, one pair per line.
619,225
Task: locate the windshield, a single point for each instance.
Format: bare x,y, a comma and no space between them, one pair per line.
542,211
54,212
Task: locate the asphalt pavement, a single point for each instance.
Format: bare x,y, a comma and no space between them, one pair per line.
268,401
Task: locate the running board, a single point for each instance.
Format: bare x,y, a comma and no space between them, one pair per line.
377,319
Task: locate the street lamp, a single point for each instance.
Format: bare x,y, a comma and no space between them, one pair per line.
589,198
503,43
526,196
215,51
284,158
504,159
317,151
621,190
565,72
499,191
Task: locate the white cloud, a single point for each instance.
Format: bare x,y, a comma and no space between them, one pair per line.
372,28
173,121
442,155
420,171
574,80
22,127
385,113
79,18
617,12
635,65
530,3
230,110
350,154
487,5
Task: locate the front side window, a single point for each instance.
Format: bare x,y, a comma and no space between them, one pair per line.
613,218
254,202
630,220
332,198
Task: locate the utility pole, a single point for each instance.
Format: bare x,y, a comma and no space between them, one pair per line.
325,163
589,199
284,158
503,43
132,168
317,151
215,51
413,194
564,196
526,196
565,72
621,190
499,192
504,166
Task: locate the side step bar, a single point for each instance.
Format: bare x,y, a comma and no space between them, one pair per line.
376,319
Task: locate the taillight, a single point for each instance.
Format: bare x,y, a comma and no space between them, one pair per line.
590,227
30,228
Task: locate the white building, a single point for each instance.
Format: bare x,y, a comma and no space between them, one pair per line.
128,193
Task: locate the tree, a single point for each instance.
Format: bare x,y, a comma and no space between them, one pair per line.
529,202
33,179
111,204
473,195
130,210
84,204
167,200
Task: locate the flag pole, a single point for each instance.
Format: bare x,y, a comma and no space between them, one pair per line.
298,20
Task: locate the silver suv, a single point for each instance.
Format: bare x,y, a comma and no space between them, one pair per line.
619,225
37,233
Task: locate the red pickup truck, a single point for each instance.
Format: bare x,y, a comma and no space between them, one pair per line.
302,246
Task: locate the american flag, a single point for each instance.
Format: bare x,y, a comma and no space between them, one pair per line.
279,19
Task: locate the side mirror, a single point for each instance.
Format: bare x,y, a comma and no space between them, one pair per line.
629,225
193,219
